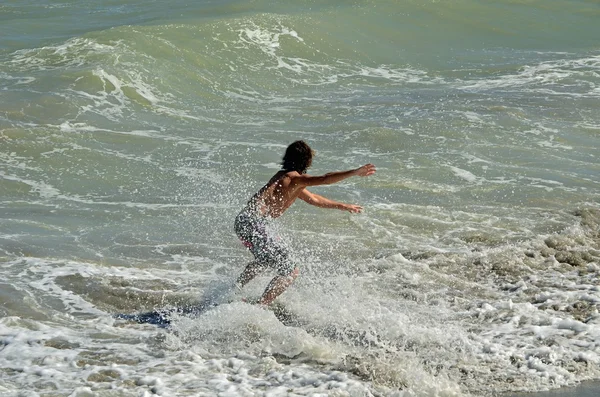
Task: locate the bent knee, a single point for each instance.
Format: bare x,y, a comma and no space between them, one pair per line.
290,274
294,273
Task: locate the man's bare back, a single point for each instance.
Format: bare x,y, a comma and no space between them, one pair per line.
285,187
271,201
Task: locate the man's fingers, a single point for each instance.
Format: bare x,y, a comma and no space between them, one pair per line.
368,169
355,209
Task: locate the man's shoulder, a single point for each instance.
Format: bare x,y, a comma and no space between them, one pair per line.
290,178
290,175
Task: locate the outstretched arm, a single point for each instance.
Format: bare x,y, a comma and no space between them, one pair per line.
332,177
323,202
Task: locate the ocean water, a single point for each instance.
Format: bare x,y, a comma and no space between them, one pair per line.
131,133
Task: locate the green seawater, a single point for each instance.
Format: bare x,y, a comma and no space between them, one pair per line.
132,132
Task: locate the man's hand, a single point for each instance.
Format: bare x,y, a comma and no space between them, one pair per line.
366,170
353,208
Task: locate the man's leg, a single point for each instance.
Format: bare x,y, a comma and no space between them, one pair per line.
277,286
251,271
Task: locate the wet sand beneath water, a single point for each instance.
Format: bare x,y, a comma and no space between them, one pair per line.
586,389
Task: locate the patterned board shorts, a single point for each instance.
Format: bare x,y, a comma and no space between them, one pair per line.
269,251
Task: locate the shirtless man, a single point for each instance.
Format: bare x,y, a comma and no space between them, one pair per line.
288,184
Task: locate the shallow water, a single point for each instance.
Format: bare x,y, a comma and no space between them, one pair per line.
587,389
131,136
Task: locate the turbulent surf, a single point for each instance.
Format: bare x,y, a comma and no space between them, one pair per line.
131,137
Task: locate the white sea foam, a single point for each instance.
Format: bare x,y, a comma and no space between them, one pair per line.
48,192
112,101
235,343
546,77
473,269
72,53
62,354
267,40
404,75
464,174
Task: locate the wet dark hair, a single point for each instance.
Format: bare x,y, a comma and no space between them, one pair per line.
298,157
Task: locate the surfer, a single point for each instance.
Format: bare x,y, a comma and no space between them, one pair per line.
271,201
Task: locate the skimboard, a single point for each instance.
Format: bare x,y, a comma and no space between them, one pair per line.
162,317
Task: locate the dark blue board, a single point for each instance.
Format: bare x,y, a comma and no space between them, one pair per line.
162,317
